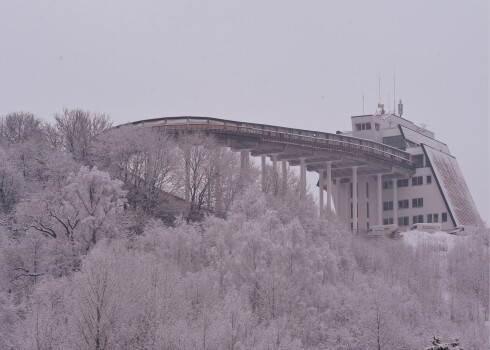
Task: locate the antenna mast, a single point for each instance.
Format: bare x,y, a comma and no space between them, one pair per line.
394,92
379,89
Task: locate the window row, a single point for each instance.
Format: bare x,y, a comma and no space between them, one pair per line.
366,126
416,181
405,220
403,204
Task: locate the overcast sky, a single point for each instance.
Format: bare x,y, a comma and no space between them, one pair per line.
299,64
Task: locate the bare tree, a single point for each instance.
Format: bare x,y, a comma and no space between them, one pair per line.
78,129
18,127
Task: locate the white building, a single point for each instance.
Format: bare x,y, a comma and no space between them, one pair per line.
436,192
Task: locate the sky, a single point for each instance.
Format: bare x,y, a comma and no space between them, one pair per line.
289,63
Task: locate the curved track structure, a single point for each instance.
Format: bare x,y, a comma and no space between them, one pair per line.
292,145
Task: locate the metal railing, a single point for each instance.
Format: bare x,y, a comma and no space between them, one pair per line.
327,141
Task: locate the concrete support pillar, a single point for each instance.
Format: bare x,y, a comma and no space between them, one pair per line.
329,188
395,203
337,196
302,179
380,198
264,172
187,176
284,165
354,197
244,165
320,193
274,174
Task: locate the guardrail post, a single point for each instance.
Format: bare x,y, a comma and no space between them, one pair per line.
187,176
274,174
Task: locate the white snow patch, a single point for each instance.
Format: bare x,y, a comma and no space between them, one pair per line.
440,240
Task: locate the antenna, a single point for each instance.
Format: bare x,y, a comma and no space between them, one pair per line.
394,91
379,89
363,100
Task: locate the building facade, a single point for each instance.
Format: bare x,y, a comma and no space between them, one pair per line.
435,193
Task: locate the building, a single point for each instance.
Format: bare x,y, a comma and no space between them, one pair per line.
435,193
402,174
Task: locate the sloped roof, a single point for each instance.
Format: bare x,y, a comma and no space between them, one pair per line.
455,192
419,139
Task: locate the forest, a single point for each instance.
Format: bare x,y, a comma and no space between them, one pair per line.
99,250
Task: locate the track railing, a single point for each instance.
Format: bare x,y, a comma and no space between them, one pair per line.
331,142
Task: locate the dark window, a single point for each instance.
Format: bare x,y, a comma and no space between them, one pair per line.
417,181
376,126
367,189
429,179
387,206
418,219
444,217
358,127
351,210
429,218
351,190
403,204
368,126
436,217
417,203
418,160
388,221
367,209
395,141
403,221
402,183
387,185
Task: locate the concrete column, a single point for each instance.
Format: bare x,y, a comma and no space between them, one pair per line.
244,164
284,165
302,182
337,196
320,194
274,173
395,203
187,176
329,188
264,172
380,199
354,196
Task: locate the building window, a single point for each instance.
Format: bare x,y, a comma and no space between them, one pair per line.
403,204
418,160
429,179
403,221
417,180
395,141
417,203
387,185
387,206
367,189
376,126
351,210
444,217
435,217
363,126
367,209
429,218
418,219
351,190
388,221
402,183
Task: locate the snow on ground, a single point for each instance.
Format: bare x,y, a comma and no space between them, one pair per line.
442,240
